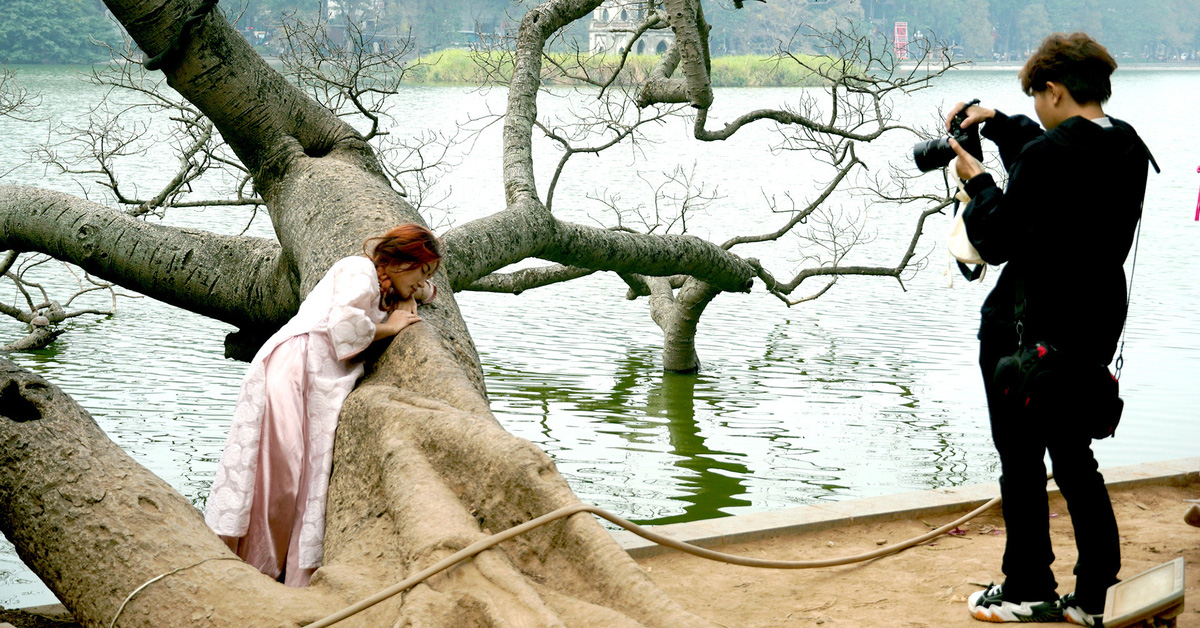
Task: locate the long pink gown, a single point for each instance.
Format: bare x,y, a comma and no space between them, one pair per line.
268,499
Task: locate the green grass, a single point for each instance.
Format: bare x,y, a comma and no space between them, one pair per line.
459,66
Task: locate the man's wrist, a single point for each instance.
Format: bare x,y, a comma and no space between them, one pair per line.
978,183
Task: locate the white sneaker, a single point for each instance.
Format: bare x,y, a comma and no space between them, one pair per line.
990,605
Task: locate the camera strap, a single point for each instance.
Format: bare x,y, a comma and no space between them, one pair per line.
1019,311
1120,361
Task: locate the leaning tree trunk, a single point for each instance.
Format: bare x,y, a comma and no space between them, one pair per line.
421,466
678,315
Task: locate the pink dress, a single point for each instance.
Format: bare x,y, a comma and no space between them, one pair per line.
268,499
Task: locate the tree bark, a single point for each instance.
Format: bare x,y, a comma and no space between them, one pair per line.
659,86
239,280
94,525
421,466
691,39
38,338
678,316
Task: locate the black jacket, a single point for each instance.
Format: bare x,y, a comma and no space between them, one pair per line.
1064,226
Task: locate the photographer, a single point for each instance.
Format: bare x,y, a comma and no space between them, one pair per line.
1064,225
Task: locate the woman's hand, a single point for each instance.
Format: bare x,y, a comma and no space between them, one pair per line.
975,115
408,305
426,292
397,320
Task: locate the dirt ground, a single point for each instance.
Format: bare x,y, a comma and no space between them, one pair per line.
923,586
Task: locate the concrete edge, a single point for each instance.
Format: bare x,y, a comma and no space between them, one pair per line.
815,517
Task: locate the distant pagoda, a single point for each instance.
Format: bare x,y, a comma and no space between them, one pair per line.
615,21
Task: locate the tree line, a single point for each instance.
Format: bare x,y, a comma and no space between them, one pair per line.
996,30
62,31
1150,30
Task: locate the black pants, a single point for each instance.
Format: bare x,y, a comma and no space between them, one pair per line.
1022,439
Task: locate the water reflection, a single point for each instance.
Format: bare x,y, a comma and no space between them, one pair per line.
712,480
793,416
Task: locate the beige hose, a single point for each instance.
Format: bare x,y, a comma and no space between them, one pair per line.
567,511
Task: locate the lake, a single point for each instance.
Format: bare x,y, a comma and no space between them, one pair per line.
869,390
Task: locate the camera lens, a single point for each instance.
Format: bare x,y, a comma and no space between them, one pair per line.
933,154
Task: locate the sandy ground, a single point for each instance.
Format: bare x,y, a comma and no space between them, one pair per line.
924,586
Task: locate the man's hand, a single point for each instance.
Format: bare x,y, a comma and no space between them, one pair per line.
975,114
966,165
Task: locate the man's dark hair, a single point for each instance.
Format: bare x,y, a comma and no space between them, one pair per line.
1076,61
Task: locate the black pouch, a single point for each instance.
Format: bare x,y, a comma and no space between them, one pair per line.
1041,377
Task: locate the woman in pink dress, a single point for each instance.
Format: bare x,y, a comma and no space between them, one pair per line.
268,499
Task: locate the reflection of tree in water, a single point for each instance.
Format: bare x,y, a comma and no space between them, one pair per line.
710,484
713,484
641,401
845,366
860,410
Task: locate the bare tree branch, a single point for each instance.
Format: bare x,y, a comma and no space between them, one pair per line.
620,132
800,216
350,78
659,87
655,19
536,27
691,40
197,270
784,288
16,101
528,279
98,146
858,79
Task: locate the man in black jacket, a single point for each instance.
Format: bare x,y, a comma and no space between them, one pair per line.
1064,225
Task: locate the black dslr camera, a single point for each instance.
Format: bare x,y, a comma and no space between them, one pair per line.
934,154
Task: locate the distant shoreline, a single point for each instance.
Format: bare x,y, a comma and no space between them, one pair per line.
1006,66
969,66
992,66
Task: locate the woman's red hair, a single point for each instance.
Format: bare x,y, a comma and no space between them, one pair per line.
409,245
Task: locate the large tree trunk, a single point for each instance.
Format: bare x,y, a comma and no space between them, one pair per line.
421,466
95,525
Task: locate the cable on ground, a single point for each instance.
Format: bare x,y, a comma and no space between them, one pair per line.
694,550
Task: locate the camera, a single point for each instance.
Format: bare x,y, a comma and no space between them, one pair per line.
937,153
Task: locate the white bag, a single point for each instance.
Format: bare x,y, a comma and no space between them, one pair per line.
960,246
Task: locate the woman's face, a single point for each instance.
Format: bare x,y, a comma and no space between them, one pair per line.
406,279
